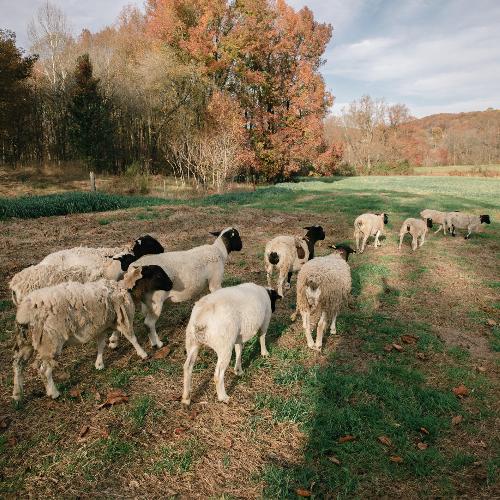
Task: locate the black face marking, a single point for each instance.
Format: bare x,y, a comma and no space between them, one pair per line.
153,278
232,240
344,250
485,219
146,245
274,258
429,223
273,297
289,277
386,219
315,233
126,260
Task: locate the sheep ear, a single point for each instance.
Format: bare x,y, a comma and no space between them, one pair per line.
132,276
308,227
215,233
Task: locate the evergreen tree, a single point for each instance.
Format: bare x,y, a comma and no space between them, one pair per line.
91,126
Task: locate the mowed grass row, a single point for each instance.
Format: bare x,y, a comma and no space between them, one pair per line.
361,389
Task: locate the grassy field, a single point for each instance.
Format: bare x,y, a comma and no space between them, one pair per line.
362,419
468,170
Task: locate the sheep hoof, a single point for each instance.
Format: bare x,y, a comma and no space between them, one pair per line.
185,401
238,371
224,399
55,394
293,317
99,366
159,344
265,354
143,354
113,345
287,286
311,346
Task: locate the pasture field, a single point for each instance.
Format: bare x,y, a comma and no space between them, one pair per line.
373,416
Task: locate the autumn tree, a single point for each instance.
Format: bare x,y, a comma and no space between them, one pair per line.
16,99
266,56
91,129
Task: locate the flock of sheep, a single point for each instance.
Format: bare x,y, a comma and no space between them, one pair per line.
77,295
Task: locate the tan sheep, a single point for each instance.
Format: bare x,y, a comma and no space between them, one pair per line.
437,218
460,220
367,225
75,313
417,228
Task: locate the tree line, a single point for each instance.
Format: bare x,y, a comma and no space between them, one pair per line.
203,89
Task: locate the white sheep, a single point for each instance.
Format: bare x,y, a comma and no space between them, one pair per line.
41,276
223,320
460,220
289,253
75,313
191,271
111,261
323,285
417,228
437,218
367,225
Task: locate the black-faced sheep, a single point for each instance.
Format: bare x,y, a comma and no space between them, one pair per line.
417,228
289,253
223,320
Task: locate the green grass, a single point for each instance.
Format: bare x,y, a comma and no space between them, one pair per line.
31,207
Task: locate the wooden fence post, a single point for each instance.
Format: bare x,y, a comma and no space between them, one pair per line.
92,181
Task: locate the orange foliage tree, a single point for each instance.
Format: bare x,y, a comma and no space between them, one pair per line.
266,57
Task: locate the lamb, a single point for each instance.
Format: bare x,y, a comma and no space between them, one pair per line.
323,285
437,218
72,313
191,271
288,254
417,228
460,220
367,225
111,261
223,320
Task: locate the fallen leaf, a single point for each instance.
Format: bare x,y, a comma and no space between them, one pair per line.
303,493
12,441
83,431
63,376
409,339
421,355
5,421
481,444
396,459
481,369
385,440
97,396
133,484
388,347
461,391
105,433
424,430
192,415
397,347
114,397
491,322
161,353
179,430
456,420
347,438
75,393
228,443
334,459
422,446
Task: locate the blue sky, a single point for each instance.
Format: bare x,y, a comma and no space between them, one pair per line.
433,55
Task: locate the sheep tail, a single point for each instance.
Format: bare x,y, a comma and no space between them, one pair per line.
274,258
408,228
313,293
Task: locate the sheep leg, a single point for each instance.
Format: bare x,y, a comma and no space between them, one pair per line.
21,358
320,331
262,339
101,341
153,308
215,282
401,236
188,372
422,239
293,316
439,229
130,336
224,358
414,242
45,370
469,231
306,322
357,238
363,243
269,274
376,243
113,340
238,370
281,282
333,326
